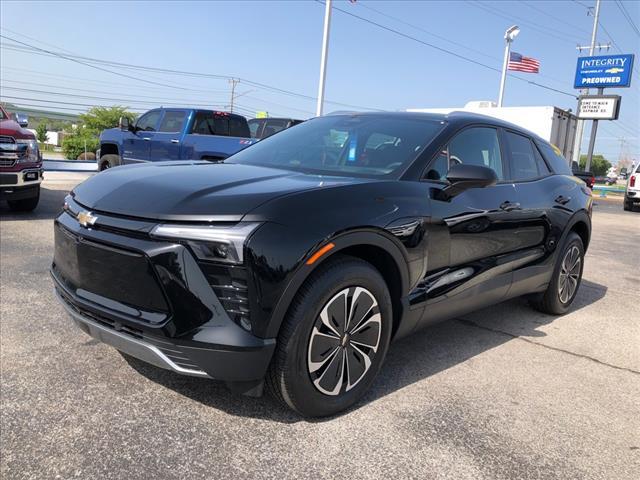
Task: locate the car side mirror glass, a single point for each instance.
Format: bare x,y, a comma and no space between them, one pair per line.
462,177
124,124
22,120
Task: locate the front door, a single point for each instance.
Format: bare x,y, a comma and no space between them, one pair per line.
469,257
137,144
166,142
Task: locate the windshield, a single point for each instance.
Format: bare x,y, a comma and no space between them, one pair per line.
349,145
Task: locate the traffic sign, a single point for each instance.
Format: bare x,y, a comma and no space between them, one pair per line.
604,71
599,107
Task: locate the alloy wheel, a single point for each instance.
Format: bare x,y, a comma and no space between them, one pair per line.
344,341
569,274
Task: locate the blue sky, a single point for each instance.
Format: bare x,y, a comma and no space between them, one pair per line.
278,44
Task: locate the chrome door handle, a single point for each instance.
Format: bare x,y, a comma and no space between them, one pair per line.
562,200
146,139
175,140
509,206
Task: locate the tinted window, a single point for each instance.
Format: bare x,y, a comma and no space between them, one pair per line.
474,146
254,127
554,158
339,145
238,127
210,123
274,126
523,163
148,121
542,165
172,121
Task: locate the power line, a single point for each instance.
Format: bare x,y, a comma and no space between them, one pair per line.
449,52
89,61
563,22
627,16
87,64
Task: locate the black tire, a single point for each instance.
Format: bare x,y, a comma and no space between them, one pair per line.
289,378
109,161
26,204
627,205
554,300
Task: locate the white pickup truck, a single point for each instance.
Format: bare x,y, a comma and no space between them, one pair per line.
632,192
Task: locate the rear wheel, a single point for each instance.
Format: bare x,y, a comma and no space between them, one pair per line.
628,206
109,161
334,339
26,204
566,279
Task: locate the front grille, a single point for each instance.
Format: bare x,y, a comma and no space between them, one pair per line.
229,283
10,153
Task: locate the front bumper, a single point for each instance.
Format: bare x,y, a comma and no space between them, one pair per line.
20,185
169,317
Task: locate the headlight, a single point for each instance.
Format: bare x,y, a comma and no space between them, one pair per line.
210,242
32,150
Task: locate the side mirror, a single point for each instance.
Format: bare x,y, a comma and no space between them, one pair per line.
124,124
462,177
22,120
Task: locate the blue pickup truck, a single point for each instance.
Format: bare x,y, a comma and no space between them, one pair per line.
174,134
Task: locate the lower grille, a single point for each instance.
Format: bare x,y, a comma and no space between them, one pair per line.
229,283
172,352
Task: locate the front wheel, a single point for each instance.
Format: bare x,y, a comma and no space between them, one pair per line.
566,279
334,339
26,204
109,161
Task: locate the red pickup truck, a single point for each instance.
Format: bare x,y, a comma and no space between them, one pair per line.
21,170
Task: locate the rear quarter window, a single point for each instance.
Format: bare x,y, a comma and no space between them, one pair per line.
558,163
238,127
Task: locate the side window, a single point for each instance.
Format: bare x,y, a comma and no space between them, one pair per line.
273,126
221,125
148,121
542,165
473,146
238,127
172,121
554,158
523,163
254,127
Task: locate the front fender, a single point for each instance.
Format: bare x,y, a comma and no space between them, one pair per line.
277,277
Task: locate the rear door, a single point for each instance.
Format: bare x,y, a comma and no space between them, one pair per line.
136,145
166,142
545,206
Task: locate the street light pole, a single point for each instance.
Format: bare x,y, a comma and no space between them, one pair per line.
323,58
577,143
509,35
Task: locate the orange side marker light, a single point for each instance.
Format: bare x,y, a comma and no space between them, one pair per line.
320,253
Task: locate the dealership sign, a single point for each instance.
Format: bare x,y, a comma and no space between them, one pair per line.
599,107
604,71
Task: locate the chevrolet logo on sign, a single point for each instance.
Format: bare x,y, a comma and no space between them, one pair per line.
86,219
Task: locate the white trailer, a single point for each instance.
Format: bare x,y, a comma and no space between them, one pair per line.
551,123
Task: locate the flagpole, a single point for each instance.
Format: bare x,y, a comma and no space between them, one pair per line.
323,58
509,35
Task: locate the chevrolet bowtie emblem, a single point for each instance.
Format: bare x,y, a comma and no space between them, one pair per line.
86,219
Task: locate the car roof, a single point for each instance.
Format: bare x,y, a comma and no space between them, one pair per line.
456,118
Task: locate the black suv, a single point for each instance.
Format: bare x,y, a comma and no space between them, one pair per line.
296,261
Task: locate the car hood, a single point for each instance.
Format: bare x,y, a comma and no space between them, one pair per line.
13,129
193,191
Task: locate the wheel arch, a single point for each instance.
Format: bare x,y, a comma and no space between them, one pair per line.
374,247
109,149
580,223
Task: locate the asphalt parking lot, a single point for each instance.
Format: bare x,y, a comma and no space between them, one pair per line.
505,392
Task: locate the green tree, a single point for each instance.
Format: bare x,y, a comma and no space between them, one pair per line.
41,132
74,143
599,164
98,119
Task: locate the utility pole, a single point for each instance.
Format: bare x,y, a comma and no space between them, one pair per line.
323,58
580,123
233,82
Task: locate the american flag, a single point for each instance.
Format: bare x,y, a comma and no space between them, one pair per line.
520,63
